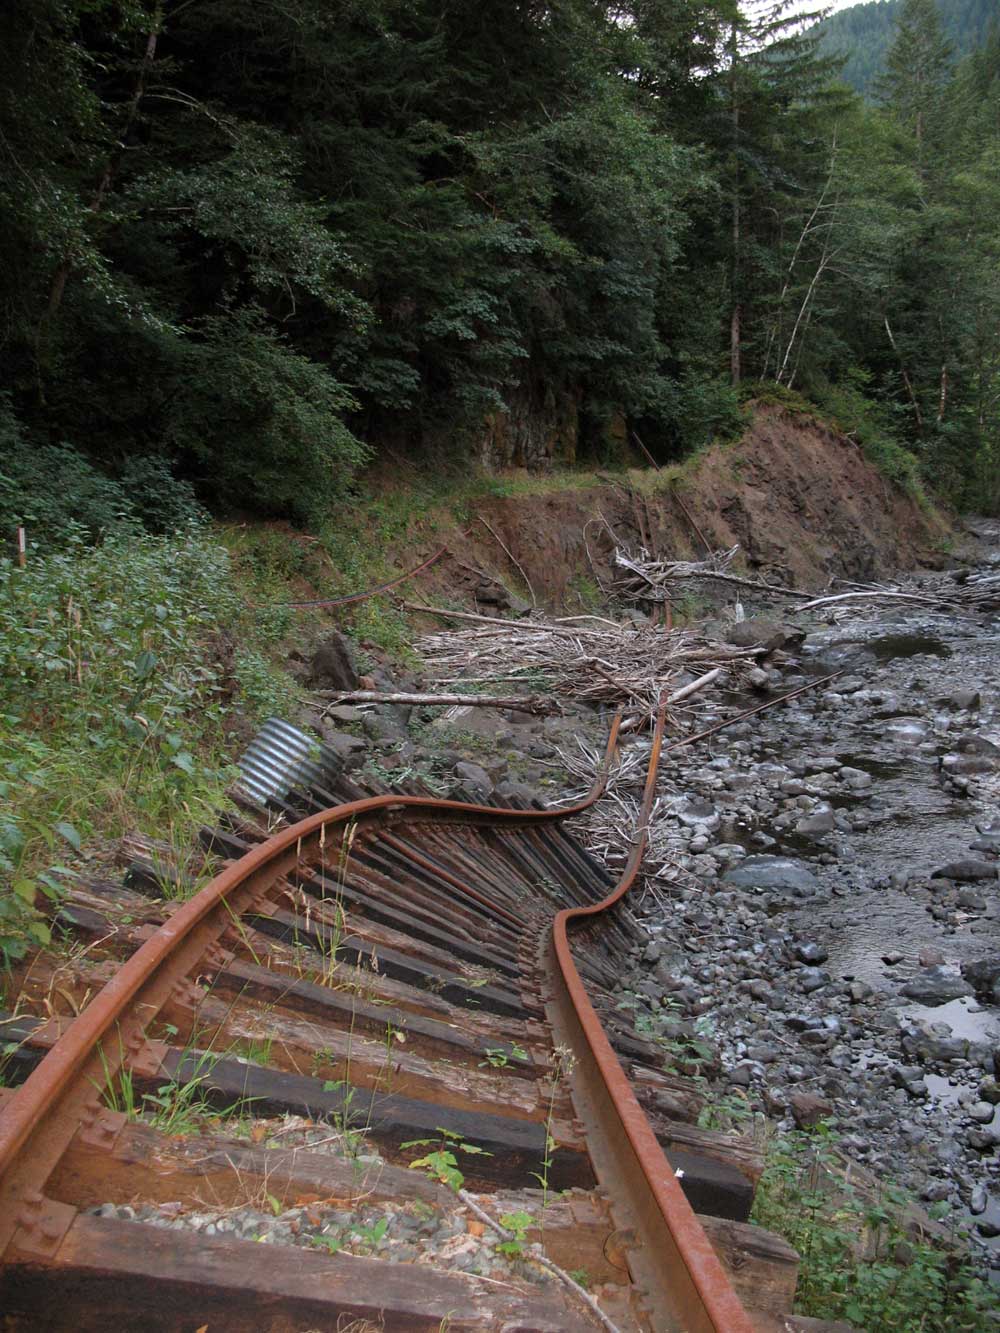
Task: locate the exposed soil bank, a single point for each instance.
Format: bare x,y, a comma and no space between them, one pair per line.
802,502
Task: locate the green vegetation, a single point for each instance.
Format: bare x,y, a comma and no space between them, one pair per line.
863,33
441,1164
119,686
254,247
860,1261
178,1106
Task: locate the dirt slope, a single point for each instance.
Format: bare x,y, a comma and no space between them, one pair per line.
803,503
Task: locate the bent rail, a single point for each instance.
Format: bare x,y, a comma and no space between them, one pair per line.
684,1284
673,1261
45,1111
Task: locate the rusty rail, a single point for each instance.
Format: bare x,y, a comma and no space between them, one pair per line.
673,1263
673,1260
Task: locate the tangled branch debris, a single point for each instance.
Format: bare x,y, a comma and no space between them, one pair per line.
618,666
648,580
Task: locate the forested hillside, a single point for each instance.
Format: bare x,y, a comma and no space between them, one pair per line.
862,35
258,243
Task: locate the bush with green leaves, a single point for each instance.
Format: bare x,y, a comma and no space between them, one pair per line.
117,683
860,1261
264,422
875,426
57,493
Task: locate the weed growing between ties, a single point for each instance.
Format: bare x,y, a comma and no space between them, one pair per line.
860,1262
119,689
180,1105
442,1164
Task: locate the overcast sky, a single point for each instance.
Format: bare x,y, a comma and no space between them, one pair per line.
819,4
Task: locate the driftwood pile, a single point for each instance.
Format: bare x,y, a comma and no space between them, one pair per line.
645,580
606,664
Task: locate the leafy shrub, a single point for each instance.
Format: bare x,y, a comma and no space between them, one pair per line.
859,1262
870,422
57,493
117,682
162,502
265,423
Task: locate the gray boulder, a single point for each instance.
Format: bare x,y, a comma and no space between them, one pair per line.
778,873
761,632
966,871
332,664
936,985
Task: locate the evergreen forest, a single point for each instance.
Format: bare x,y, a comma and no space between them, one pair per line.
862,34
248,246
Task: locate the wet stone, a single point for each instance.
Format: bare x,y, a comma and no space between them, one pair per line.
811,953
772,873
967,871
981,1112
936,985
808,1109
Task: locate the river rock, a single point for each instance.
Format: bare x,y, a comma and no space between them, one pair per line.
983,975
964,700
808,1109
811,953
966,765
332,664
983,1138
936,985
971,901
696,811
981,1112
350,750
473,779
977,745
761,632
772,873
820,821
967,871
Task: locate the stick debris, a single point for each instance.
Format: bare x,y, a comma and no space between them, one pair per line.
621,666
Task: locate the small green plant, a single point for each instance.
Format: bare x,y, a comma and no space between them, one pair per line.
499,1058
332,1244
728,1112
563,1066
442,1164
517,1224
370,1236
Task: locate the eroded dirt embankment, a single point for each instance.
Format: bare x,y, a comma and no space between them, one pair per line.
802,501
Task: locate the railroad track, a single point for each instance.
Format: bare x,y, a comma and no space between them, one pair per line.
390,998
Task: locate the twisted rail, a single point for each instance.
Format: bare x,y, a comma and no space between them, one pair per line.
684,1283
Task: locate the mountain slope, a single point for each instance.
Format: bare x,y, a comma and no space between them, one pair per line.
864,32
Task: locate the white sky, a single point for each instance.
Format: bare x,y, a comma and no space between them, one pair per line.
834,5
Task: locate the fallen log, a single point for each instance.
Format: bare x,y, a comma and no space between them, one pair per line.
524,703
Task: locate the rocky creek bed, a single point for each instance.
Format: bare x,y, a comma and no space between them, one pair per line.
828,912
822,904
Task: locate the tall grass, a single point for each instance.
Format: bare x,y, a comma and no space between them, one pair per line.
119,686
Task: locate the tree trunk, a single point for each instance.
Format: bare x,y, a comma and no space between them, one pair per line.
61,275
735,322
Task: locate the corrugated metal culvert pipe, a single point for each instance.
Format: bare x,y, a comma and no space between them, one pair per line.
281,757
